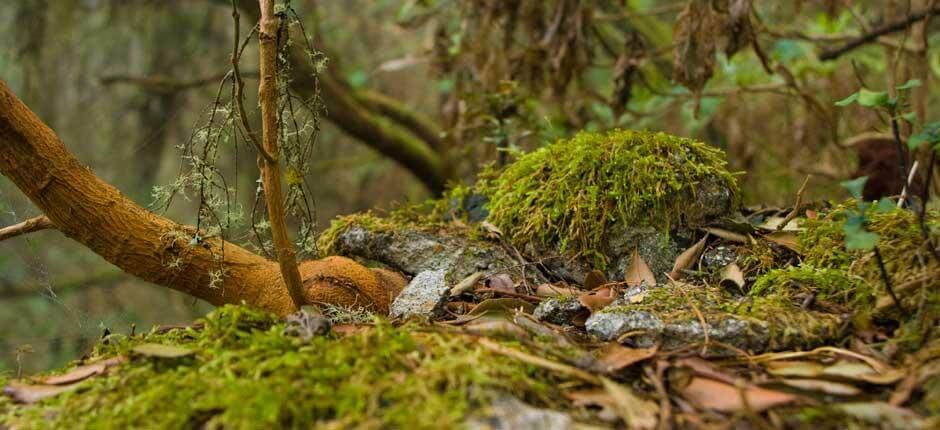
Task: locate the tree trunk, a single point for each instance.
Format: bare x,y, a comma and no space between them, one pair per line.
156,249
270,166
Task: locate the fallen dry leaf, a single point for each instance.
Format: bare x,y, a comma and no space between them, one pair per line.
785,238
466,284
27,393
501,282
732,274
639,272
162,351
823,386
615,357
724,397
635,412
496,327
687,259
549,290
883,415
83,372
594,279
727,234
595,302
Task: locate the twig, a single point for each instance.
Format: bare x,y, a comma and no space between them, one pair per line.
33,224
891,27
796,207
539,361
902,157
698,314
240,88
887,280
907,184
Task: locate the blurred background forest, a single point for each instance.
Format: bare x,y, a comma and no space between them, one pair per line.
419,93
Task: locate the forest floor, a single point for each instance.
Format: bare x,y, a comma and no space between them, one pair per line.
610,281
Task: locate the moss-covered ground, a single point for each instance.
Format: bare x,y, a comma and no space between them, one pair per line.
245,372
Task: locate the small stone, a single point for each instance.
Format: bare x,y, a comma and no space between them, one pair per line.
559,310
718,257
425,296
306,323
508,412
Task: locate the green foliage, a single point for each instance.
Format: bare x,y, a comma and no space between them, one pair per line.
247,373
930,135
569,193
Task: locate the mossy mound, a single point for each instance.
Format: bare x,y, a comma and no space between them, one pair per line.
245,372
852,279
570,193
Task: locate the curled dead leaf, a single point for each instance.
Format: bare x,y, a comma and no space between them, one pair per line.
83,372
28,393
687,259
732,274
595,302
615,357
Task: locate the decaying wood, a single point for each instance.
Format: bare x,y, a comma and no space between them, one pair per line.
33,224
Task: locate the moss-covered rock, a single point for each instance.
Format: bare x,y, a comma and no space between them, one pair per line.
570,194
246,372
672,316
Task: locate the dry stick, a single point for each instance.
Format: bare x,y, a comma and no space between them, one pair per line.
270,168
796,207
902,157
240,88
907,185
891,27
887,280
33,224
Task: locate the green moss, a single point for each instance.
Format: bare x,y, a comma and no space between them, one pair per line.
900,243
570,193
246,373
827,284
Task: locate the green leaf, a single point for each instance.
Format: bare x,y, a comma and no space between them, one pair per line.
885,205
855,186
848,100
860,240
916,140
913,83
910,117
873,98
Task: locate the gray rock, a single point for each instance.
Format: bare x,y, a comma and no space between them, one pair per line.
413,251
510,413
741,332
559,310
425,296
